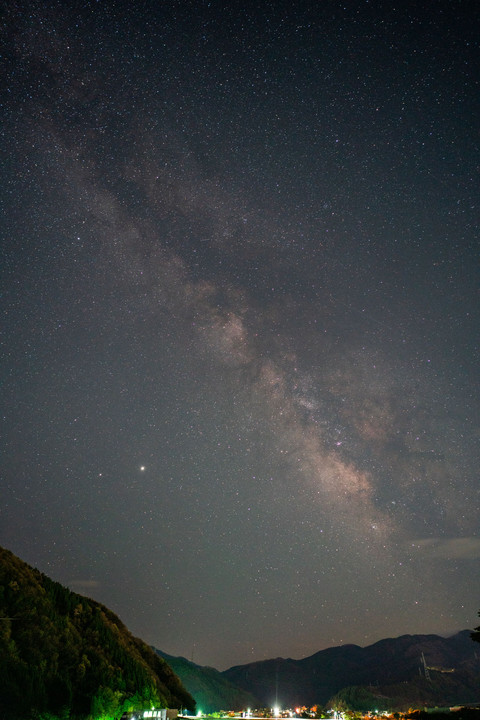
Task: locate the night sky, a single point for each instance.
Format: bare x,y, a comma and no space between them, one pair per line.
240,327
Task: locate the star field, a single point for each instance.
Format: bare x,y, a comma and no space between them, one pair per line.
239,347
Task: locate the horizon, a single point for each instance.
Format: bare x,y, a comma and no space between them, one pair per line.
295,659
240,299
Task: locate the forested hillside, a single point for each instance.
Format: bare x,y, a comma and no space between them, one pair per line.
211,690
440,689
62,653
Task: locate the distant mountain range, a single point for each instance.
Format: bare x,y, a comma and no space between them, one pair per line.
390,673
317,678
64,654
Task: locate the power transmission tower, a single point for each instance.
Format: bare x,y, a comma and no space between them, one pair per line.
425,666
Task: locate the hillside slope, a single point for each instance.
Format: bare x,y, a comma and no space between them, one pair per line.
440,689
318,677
211,690
60,651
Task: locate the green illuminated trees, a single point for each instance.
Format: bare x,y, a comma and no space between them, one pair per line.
62,654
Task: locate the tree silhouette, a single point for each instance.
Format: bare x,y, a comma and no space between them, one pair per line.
475,635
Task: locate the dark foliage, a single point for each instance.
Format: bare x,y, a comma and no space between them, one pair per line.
465,713
64,654
211,690
475,635
441,689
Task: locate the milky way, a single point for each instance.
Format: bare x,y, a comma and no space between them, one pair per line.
240,300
